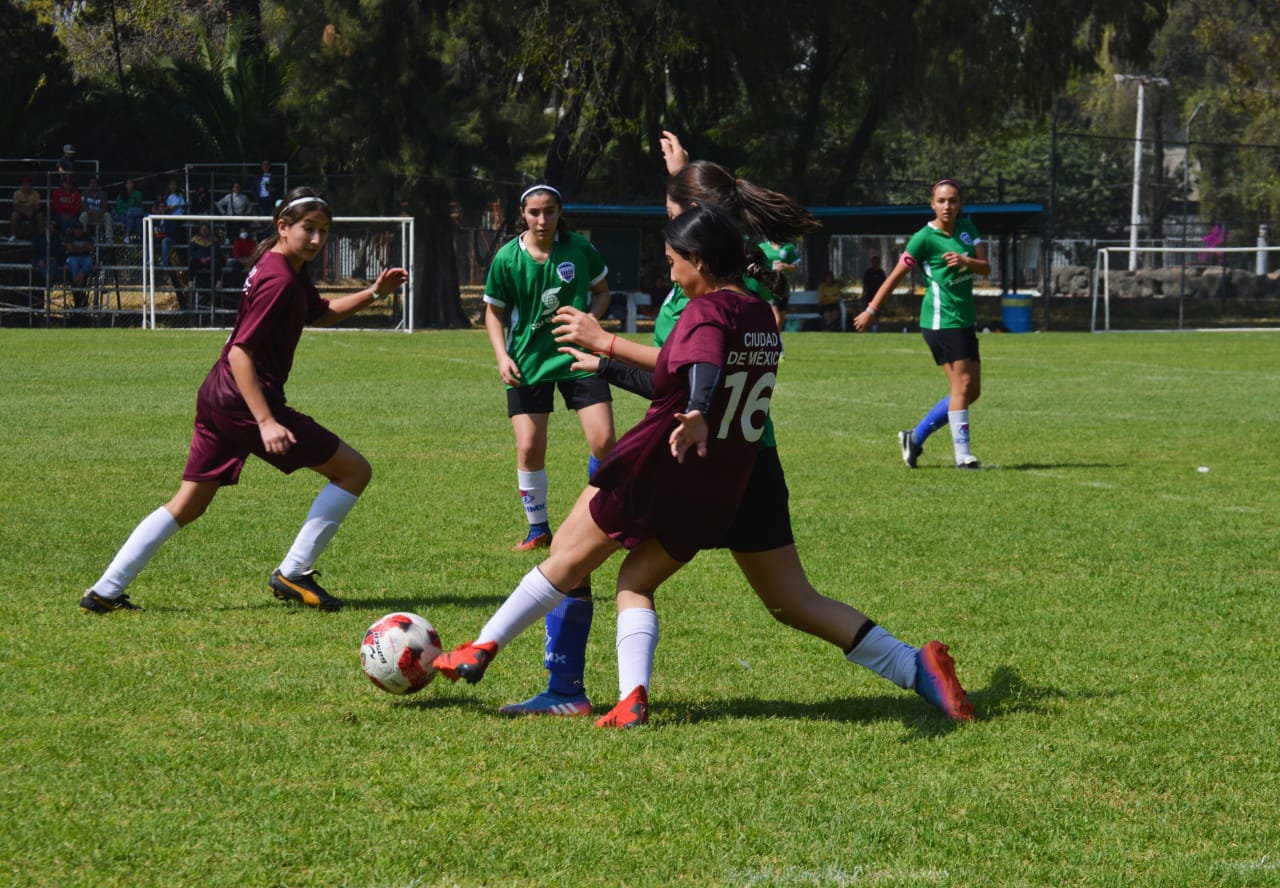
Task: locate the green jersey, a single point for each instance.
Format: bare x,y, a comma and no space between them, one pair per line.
780,252
530,292
948,292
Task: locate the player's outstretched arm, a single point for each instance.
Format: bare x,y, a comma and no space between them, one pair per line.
390,280
673,153
576,327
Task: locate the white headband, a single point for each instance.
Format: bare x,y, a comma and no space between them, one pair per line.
301,200
533,188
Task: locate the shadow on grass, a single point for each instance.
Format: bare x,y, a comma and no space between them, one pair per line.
383,605
1046,467
423,602
1006,694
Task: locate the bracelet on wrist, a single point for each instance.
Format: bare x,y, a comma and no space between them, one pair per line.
871,309
376,295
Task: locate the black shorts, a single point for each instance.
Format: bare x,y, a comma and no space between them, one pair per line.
540,398
953,344
763,521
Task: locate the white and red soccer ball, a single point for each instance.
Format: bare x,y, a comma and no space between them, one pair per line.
397,653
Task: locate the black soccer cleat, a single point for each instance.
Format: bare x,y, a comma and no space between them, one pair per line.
910,449
303,589
93,603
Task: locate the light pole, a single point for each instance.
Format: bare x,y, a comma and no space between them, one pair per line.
1135,213
1186,199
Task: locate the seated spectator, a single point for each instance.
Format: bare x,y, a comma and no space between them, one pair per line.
96,215
830,292
65,204
200,264
78,247
242,250
174,201
160,230
200,253
27,209
235,202
129,212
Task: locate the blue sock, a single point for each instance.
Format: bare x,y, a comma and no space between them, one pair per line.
592,465
935,419
567,629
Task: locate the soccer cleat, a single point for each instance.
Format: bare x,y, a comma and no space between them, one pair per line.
539,538
93,603
467,661
969,462
910,449
936,681
550,703
632,711
304,590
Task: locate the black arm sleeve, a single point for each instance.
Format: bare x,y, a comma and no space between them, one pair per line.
625,376
704,380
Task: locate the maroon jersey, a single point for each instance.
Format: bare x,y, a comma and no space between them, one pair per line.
689,506
276,303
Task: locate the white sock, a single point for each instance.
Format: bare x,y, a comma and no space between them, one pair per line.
637,640
886,656
959,420
330,506
135,554
533,492
532,600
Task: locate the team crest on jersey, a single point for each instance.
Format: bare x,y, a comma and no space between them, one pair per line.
566,270
966,238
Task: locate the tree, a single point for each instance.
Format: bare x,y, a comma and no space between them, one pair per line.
825,84
38,85
397,102
1232,66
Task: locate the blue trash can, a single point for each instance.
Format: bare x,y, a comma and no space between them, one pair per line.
1015,311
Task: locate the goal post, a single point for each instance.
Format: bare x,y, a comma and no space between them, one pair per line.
1236,282
358,249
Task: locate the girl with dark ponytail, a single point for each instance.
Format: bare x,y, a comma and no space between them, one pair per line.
760,537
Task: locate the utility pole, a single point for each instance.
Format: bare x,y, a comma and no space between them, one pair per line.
1135,214
1186,200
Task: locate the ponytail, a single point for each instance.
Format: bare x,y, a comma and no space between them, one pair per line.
761,213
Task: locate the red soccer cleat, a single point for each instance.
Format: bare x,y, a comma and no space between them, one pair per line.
936,681
467,661
632,711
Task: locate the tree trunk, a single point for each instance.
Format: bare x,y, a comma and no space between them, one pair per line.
438,299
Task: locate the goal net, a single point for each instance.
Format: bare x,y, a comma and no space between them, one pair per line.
193,267
1176,288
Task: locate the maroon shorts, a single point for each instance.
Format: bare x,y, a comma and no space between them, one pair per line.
222,442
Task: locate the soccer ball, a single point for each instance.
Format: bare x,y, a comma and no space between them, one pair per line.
397,653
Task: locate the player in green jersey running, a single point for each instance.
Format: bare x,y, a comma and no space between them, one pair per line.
545,267
949,253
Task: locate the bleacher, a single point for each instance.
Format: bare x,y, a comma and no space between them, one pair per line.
113,291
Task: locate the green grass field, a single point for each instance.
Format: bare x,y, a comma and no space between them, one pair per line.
1108,586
